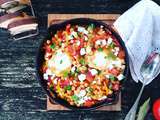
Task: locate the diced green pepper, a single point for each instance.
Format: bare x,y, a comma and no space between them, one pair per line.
75,98
111,56
111,77
100,49
82,61
68,87
53,46
65,74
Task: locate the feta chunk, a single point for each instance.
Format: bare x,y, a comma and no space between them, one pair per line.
98,42
74,34
93,71
104,42
81,77
85,38
82,93
110,66
102,98
120,77
45,76
55,81
107,76
109,41
73,69
82,51
83,30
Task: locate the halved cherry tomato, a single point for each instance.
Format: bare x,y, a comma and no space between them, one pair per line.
156,109
121,54
114,72
89,77
89,103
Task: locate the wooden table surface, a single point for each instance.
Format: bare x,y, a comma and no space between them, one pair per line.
22,98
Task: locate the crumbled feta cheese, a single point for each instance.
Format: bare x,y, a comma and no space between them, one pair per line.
63,45
116,49
82,51
98,42
116,53
55,81
72,41
83,30
78,43
117,63
102,98
73,69
120,76
110,66
85,38
82,93
109,41
70,37
107,76
87,98
104,42
93,71
73,33
94,82
49,72
82,77
81,101
45,76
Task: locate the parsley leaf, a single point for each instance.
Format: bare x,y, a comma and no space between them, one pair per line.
68,87
75,98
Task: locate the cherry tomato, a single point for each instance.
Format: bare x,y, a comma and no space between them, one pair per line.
156,109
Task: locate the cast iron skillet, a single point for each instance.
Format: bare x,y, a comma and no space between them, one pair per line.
40,58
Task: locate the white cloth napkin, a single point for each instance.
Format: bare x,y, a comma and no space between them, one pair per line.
139,27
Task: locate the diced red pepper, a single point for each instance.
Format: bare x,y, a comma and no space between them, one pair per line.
116,86
68,27
121,54
114,72
89,103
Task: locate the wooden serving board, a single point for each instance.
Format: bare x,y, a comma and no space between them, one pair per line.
107,18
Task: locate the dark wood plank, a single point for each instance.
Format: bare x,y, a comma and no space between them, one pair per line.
21,96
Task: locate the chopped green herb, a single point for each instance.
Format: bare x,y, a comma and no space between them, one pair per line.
65,74
53,46
82,61
68,87
91,89
91,27
112,45
60,43
61,61
111,77
111,56
100,49
75,98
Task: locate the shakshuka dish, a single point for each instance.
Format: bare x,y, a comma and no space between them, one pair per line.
83,64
